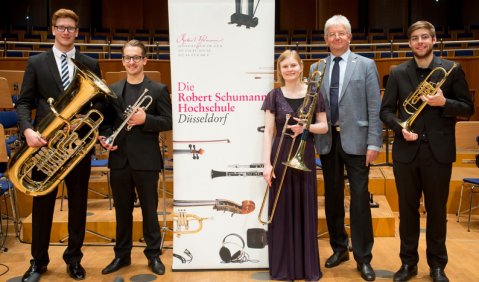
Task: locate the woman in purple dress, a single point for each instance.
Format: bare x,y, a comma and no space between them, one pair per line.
292,235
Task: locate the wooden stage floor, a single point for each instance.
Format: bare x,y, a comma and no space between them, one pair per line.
463,249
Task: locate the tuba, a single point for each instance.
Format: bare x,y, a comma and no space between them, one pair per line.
306,113
426,87
70,138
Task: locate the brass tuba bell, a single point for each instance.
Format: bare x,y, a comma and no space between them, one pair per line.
70,138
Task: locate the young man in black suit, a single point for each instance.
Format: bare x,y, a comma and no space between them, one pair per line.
135,158
423,153
47,76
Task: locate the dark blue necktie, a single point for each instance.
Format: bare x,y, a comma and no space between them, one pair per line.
334,91
64,71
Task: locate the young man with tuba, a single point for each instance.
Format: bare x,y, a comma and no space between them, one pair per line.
424,145
47,76
135,158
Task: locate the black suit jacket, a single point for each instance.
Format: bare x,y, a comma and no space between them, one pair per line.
438,123
139,147
42,81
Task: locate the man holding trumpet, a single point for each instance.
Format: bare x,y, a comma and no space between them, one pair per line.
424,145
135,158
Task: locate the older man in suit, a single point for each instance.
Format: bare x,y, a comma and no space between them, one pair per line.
350,90
135,159
47,76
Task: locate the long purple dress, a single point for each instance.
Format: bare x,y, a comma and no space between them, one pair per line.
292,236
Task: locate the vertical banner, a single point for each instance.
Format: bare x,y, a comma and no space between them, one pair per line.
221,70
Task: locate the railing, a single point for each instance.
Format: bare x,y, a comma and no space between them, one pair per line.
307,51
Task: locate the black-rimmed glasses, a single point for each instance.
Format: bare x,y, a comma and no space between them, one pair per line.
62,28
135,59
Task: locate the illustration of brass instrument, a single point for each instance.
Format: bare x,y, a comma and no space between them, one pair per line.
70,138
215,173
143,102
426,87
306,114
246,206
183,219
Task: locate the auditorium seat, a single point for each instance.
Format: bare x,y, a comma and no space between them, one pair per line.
42,31
6,187
463,53
389,55
367,54
473,185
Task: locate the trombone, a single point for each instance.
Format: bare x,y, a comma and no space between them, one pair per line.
306,113
426,87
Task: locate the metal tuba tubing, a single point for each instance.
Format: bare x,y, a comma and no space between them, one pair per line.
66,145
426,87
306,114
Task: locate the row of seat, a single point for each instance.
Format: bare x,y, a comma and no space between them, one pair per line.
376,35
44,34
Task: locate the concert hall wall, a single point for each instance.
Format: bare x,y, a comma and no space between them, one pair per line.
290,15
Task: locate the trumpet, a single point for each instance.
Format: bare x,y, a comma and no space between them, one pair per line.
182,220
306,113
143,102
426,87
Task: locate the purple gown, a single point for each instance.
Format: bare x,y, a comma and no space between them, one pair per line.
292,236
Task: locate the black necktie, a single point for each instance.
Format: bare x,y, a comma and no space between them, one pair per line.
334,91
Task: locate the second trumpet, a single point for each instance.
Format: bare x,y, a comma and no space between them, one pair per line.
143,102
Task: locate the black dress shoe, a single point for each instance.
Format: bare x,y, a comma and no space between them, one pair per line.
156,266
116,264
76,271
337,258
438,275
35,269
405,273
367,272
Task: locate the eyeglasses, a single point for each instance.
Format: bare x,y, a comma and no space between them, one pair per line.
423,37
338,34
135,59
62,28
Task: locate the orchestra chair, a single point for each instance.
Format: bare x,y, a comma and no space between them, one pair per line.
467,139
473,185
9,121
6,102
6,186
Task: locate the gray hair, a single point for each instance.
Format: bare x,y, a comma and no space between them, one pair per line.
337,20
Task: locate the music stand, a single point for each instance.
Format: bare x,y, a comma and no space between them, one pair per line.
164,228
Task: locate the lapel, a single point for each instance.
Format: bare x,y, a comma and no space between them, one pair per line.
350,69
53,69
325,83
119,88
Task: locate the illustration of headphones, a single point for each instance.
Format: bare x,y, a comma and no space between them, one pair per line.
232,250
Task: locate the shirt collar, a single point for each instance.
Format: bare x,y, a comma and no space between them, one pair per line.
58,53
344,56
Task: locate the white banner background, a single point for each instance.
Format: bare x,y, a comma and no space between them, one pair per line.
213,61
